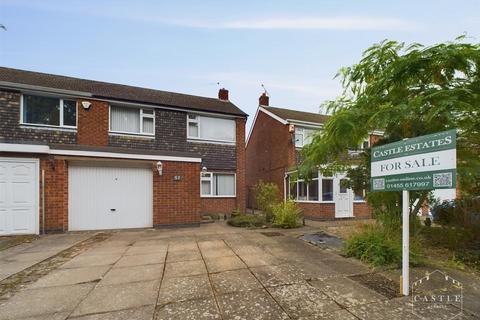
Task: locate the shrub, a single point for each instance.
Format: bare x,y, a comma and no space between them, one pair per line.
267,195
247,221
380,247
286,215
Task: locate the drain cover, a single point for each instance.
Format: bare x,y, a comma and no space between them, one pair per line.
322,239
272,234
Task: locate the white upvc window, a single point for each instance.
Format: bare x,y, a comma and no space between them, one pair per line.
130,120
303,136
210,128
213,184
318,189
48,111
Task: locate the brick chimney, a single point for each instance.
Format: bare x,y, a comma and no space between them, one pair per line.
263,100
223,94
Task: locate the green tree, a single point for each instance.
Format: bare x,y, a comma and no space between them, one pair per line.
405,91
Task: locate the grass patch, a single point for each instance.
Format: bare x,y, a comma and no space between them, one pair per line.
380,246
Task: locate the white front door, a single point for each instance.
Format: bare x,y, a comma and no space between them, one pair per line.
343,198
19,185
109,197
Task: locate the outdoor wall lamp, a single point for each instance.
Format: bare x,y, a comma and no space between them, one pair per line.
86,105
160,168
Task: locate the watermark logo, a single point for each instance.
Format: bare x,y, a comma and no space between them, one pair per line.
437,295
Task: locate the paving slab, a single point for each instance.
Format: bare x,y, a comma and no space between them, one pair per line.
184,288
335,315
346,292
233,281
132,274
260,260
141,259
247,305
224,264
99,250
346,266
187,255
50,316
142,313
118,297
81,260
212,244
33,303
182,246
199,309
301,299
217,252
185,268
279,275
63,277
32,256
146,249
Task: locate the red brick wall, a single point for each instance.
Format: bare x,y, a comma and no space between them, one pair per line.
318,210
241,188
217,205
56,194
327,210
92,127
269,153
361,210
176,202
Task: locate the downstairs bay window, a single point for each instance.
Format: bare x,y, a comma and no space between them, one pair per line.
217,184
317,189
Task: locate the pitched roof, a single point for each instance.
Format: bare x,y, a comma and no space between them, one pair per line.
294,115
106,90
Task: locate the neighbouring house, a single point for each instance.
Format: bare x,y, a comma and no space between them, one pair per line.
78,154
273,153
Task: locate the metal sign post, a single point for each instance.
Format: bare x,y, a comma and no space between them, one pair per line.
422,163
405,242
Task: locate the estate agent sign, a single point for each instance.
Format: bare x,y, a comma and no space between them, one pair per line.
422,163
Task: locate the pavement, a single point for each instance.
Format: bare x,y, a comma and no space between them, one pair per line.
208,272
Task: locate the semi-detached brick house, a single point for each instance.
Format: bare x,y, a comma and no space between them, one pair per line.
78,154
273,145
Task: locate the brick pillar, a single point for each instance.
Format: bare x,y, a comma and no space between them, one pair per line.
56,195
241,174
92,127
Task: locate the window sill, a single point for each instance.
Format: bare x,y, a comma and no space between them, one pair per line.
312,201
217,197
132,135
359,201
47,127
199,140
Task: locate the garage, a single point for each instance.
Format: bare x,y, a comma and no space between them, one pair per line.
19,196
109,196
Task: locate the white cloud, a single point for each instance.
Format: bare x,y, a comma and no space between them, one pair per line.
302,23
155,15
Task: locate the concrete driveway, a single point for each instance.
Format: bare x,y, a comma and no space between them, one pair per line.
211,272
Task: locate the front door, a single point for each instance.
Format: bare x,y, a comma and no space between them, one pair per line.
343,198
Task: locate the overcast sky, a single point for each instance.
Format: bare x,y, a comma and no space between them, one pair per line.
292,47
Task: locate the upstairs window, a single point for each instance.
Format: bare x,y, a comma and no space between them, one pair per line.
49,111
217,184
303,136
132,120
211,129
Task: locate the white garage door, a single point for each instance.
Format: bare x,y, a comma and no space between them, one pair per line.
104,197
19,186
